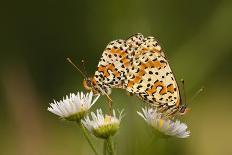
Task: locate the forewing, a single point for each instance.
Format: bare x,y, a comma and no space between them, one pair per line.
113,65
135,41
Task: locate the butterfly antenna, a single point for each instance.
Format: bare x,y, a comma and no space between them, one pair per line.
197,93
70,61
83,65
183,87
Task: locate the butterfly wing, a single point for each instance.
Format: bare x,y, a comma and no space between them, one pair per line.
113,65
135,41
138,65
150,76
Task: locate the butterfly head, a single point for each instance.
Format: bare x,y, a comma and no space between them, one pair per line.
183,109
87,83
90,85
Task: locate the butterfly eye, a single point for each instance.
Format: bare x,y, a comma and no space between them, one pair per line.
183,110
87,84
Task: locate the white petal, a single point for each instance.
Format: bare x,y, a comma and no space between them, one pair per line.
72,104
168,127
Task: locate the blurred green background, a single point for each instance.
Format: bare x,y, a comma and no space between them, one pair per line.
38,36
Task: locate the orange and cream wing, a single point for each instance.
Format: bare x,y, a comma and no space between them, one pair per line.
138,65
113,65
150,76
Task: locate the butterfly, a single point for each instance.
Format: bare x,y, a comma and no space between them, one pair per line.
138,65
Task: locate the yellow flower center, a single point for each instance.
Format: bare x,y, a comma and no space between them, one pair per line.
107,119
161,123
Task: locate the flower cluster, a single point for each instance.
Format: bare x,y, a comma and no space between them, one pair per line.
76,106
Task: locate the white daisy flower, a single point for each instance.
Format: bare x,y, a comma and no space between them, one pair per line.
165,126
103,126
73,107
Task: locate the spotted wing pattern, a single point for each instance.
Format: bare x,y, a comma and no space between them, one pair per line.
113,66
138,65
150,76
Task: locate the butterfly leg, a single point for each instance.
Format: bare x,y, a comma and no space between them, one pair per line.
171,113
168,112
163,108
110,106
108,97
129,94
109,101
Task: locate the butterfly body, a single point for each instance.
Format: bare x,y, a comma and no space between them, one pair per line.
138,65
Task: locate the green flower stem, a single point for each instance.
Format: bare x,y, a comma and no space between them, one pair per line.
110,145
105,148
86,134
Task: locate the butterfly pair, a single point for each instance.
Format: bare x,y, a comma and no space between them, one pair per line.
138,65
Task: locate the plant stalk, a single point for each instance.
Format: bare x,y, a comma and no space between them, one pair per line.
105,148
86,134
110,145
